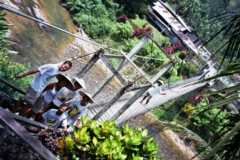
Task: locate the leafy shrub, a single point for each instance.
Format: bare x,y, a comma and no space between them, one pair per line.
209,121
8,69
149,50
123,31
95,18
105,140
138,21
96,28
134,7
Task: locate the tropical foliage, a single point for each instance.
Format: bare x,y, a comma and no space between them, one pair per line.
105,140
98,19
8,69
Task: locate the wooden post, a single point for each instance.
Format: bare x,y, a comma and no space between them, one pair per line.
12,86
90,64
6,119
114,71
141,92
130,102
133,51
117,96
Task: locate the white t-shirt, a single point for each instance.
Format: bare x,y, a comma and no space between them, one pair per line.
72,118
49,95
46,72
155,89
77,110
50,117
63,95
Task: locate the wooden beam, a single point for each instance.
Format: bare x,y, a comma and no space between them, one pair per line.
12,86
8,121
113,56
138,87
114,100
142,91
90,64
109,79
112,69
130,102
28,121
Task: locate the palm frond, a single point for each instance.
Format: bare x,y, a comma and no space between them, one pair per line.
232,33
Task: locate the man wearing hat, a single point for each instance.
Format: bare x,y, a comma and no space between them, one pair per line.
48,94
77,107
43,74
66,94
52,89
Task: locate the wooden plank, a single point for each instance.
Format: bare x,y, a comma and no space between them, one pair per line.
112,69
12,86
90,64
114,100
6,119
28,121
130,102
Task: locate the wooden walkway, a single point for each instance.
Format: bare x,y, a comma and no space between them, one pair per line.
7,120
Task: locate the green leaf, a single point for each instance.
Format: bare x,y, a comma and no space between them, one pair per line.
69,143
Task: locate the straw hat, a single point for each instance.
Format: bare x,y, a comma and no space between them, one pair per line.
61,77
86,94
80,81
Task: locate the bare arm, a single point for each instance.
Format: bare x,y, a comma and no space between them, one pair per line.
21,75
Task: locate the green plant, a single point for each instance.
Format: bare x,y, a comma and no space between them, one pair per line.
105,140
9,69
209,120
123,31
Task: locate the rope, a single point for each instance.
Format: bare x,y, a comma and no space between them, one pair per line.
19,13
81,56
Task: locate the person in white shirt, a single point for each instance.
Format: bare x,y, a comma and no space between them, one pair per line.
77,107
65,94
43,75
52,116
52,89
49,93
151,92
